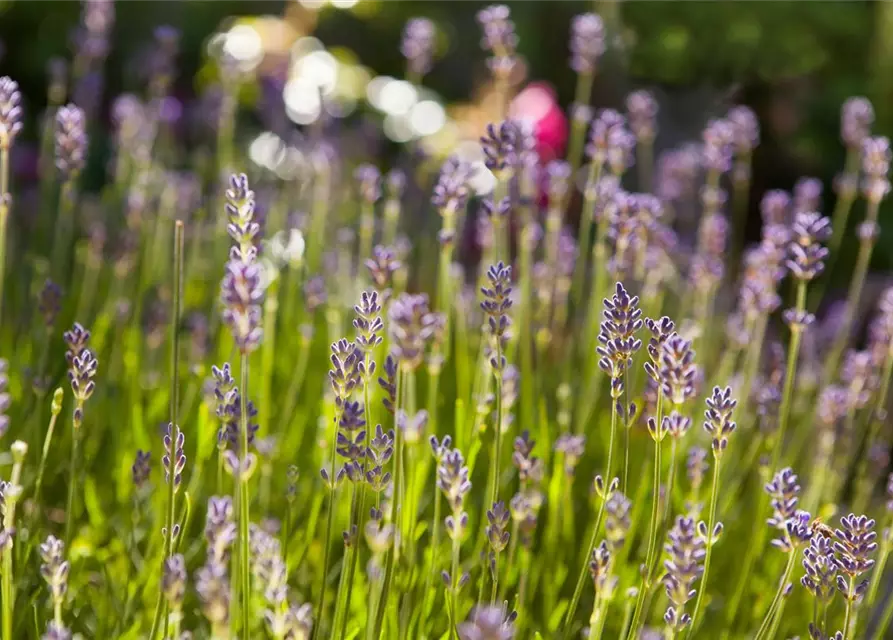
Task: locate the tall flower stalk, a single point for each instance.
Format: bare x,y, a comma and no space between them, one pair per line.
719,426
174,460
241,293
10,126
82,367
876,156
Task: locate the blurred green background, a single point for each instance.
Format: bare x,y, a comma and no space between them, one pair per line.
793,62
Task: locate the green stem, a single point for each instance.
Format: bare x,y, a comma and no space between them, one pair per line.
320,609
849,608
72,479
244,504
770,614
789,379
395,512
4,215
886,617
581,579
497,446
714,493
55,410
878,573
854,293
8,578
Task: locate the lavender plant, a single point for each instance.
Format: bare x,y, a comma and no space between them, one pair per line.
563,475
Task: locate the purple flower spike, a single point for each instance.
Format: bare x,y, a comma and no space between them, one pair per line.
622,319
71,141
807,255
418,45
10,112
718,416
856,118
587,42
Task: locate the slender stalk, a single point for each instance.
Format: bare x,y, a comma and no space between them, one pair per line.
19,450
395,513
5,200
711,521
497,445
72,472
582,94
244,504
652,535
789,378
842,208
170,511
854,293
881,629
849,607
776,601
56,408
357,516
454,587
321,605
878,573
581,579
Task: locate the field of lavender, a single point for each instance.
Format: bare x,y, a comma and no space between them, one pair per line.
240,405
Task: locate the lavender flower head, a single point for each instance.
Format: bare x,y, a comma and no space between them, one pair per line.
745,129
677,371
242,228
488,623
382,267
686,552
775,207
855,542
344,375
696,467
880,331
368,180
587,42
719,424
876,166
140,469
56,631
496,304
601,564
677,170
499,39
622,319
174,459
452,191
642,109
807,194
717,152
793,523
617,519
452,479
368,325
411,327
71,141
610,141
856,118
505,144
10,112
820,566
55,567
806,253
49,302
497,527
242,292
418,45
242,288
